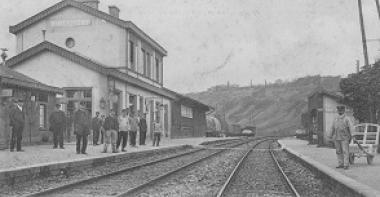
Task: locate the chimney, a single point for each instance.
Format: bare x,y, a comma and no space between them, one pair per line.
114,11
90,3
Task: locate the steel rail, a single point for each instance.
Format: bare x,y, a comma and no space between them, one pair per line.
236,169
98,177
156,179
288,182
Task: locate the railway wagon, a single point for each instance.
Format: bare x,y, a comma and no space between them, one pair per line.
214,127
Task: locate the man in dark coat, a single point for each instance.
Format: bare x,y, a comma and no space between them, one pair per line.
17,121
57,122
96,124
81,128
111,126
143,128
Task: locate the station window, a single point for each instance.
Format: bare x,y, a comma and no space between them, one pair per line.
43,97
148,65
186,112
157,69
132,55
144,62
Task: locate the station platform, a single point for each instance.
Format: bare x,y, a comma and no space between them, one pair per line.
40,155
360,171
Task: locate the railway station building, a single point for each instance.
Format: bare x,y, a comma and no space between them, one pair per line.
105,62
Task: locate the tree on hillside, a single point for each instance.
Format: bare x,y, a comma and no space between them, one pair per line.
362,92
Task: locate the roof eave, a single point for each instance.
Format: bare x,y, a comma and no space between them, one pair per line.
25,84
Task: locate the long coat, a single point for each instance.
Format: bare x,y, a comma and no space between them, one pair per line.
81,122
57,121
16,117
142,125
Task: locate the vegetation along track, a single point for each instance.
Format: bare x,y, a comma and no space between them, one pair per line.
117,182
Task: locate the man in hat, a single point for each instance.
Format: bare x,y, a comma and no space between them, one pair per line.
341,134
81,128
96,123
57,122
17,121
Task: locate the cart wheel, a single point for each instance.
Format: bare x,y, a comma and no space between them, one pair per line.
369,160
351,158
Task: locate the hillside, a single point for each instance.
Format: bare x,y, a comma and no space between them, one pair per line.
272,107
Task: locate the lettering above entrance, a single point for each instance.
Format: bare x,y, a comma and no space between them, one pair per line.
70,23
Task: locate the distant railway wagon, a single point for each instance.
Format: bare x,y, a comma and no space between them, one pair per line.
214,127
238,130
249,131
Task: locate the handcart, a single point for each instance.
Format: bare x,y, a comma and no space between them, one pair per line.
364,143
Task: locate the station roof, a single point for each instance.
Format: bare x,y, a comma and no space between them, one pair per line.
334,95
14,78
92,11
189,101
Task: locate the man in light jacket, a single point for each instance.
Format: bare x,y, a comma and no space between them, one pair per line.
157,132
124,127
341,134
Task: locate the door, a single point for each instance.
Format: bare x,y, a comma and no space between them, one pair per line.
166,121
151,113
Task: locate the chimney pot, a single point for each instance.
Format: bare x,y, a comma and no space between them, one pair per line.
90,3
114,11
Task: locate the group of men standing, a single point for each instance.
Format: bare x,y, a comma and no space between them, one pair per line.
110,130
115,130
82,127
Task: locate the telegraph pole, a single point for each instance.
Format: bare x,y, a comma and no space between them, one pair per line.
363,33
378,8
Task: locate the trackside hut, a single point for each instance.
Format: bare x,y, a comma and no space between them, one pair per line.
38,102
97,58
188,117
324,103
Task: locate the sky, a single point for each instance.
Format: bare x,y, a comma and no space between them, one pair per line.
211,42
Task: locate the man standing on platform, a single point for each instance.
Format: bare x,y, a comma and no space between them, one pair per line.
157,132
124,127
111,126
143,128
17,121
341,134
134,127
81,128
96,124
57,122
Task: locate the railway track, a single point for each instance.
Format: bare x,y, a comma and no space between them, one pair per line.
258,173
134,177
